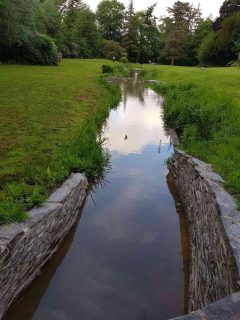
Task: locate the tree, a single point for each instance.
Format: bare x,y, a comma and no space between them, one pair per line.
222,47
16,24
68,4
184,16
86,31
148,36
130,33
70,48
110,17
228,8
177,30
49,21
81,36
152,33
173,49
112,49
192,46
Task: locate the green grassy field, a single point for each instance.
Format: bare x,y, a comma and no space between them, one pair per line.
204,107
49,119
220,81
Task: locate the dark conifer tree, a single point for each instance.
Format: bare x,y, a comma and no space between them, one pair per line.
130,33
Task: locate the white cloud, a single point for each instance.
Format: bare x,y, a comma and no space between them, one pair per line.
208,7
143,128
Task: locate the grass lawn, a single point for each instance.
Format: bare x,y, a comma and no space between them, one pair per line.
49,118
204,107
220,81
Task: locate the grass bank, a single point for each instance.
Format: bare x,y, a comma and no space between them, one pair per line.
204,108
50,117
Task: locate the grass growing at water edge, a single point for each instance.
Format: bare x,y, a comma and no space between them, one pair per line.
208,126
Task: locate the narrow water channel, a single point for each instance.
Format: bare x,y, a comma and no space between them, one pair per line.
126,259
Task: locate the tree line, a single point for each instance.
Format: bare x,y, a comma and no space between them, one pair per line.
41,31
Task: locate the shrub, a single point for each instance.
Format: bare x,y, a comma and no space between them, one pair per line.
112,49
36,48
107,69
39,49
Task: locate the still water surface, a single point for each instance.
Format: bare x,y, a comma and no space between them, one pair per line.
126,259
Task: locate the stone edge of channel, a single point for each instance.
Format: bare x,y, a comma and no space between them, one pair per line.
229,215
9,234
26,247
227,308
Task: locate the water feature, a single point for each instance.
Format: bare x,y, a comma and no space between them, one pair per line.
126,259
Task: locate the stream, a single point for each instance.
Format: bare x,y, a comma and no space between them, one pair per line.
126,258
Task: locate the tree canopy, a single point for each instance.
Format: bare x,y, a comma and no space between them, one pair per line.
222,47
110,17
228,8
40,31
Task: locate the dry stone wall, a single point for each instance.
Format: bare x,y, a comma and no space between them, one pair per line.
224,309
26,247
214,234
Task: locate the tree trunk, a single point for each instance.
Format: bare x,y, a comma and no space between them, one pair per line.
172,62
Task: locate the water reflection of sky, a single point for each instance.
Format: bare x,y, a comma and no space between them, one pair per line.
125,261
136,124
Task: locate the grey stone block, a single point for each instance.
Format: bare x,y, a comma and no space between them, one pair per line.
198,315
225,309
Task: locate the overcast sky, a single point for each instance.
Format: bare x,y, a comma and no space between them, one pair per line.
208,6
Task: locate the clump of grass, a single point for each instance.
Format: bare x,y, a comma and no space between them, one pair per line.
86,152
122,69
148,74
16,197
107,69
168,161
192,113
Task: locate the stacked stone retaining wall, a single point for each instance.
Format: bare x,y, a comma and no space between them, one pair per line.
214,238
224,309
26,247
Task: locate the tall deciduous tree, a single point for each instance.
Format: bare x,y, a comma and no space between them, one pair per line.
194,41
16,23
223,46
228,8
110,17
81,34
87,33
49,21
148,37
